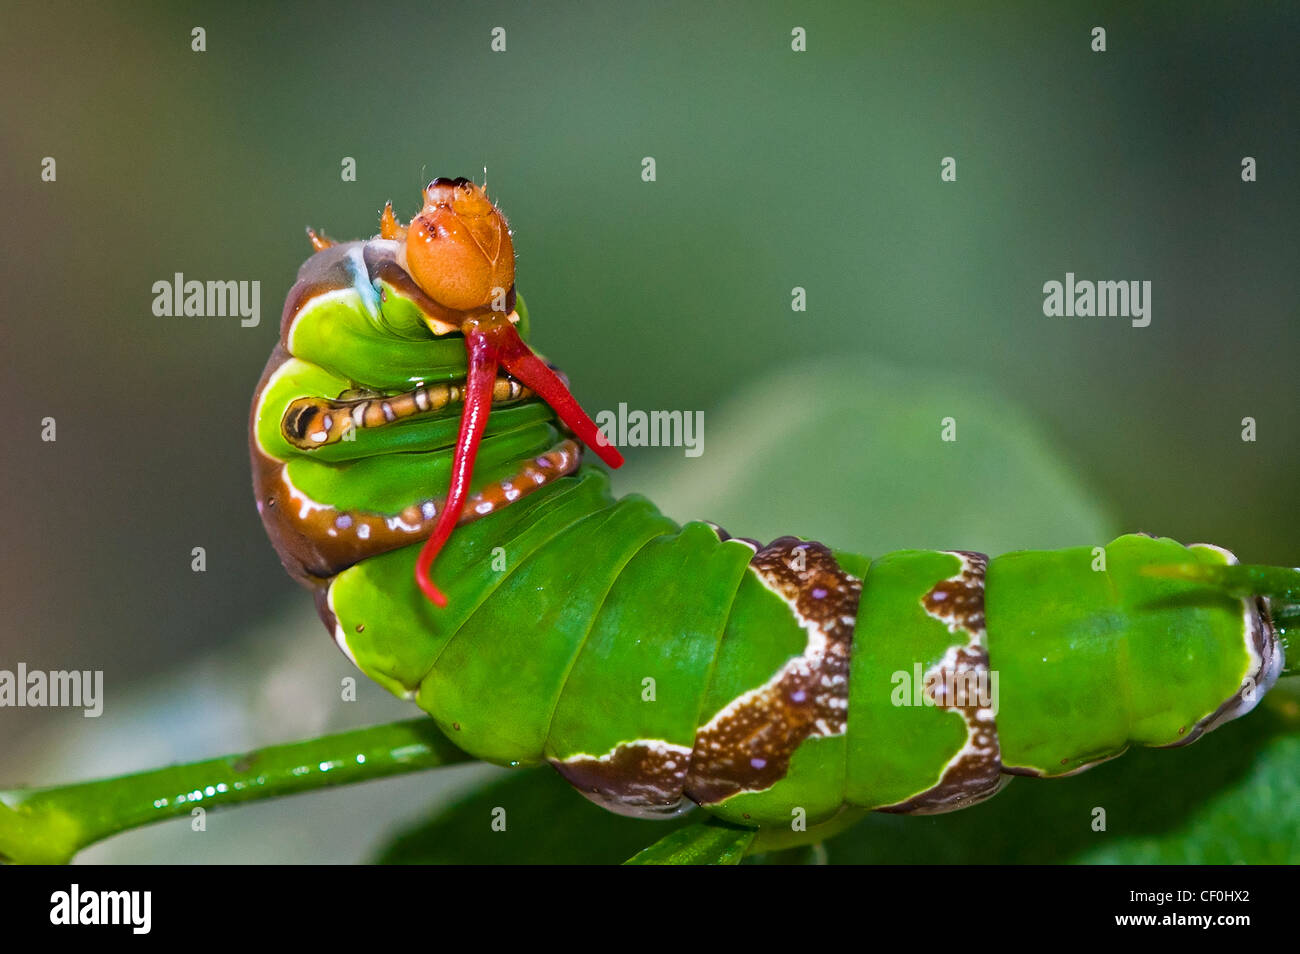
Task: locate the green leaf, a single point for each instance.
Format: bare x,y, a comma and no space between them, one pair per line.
848,451
1231,798
704,843
545,822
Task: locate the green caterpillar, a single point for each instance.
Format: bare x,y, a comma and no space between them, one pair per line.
657,665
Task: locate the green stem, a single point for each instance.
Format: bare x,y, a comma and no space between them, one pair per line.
50,825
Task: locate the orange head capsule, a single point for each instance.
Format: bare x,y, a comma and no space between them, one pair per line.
458,248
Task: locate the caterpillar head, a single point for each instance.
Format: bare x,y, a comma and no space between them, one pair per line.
458,251
458,248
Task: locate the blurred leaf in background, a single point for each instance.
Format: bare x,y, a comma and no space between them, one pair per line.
850,450
539,819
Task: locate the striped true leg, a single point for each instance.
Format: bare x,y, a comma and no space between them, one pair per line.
311,422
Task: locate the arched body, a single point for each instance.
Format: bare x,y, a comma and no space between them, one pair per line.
656,665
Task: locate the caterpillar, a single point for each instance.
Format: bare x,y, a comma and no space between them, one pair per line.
424,474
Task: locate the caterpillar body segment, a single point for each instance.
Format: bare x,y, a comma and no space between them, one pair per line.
761,706
659,666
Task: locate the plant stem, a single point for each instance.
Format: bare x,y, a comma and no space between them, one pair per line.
50,825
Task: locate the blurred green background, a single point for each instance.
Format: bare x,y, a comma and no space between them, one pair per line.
775,169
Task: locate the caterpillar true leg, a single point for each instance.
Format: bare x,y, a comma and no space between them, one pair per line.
316,422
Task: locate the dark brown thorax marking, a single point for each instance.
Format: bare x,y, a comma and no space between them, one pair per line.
959,600
975,773
644,779
311,422
747,746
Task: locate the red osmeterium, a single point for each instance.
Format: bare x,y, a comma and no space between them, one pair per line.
491,340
